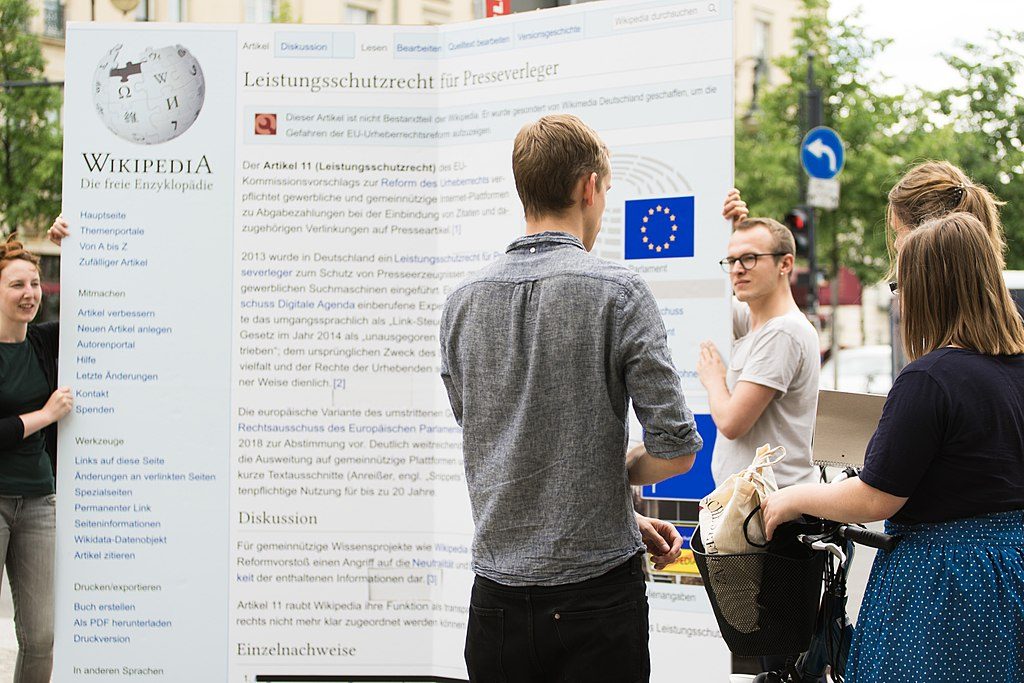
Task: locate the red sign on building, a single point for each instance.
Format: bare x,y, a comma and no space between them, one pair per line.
498,8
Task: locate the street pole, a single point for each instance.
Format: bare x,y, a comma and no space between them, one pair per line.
814,119
834,353
815,116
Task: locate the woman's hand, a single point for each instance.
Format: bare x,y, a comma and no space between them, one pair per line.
780,507
58,231
735,209
58,405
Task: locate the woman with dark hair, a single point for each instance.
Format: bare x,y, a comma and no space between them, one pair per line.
30,405
945,468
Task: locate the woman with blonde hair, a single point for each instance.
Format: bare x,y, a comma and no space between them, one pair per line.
934,189
927,191
945,468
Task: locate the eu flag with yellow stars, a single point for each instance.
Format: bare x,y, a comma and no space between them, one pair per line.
659,228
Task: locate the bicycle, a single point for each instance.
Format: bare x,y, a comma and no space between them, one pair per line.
790,613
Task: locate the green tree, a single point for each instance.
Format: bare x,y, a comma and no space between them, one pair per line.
978,125
284,13
30,134
767,144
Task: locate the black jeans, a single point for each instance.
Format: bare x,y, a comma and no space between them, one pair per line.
594,631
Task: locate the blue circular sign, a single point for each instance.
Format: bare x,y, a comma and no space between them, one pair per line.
822,153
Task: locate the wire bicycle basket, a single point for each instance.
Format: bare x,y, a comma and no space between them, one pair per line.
766,602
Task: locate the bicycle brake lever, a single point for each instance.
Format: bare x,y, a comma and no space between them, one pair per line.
830,548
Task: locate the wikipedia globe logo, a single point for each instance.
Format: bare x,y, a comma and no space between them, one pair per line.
149,97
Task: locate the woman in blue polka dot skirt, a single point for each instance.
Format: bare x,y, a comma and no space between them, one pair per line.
946,469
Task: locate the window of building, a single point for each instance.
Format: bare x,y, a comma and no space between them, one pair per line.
259,11
53,19
762,40
359,15
176,10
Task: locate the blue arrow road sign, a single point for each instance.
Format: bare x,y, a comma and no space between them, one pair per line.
822,154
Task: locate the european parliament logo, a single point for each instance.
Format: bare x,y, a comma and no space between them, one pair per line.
659,228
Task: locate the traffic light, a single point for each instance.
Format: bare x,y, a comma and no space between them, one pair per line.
799,224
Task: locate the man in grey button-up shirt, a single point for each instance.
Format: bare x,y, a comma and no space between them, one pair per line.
541,353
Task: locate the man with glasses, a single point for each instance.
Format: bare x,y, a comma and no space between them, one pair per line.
768,393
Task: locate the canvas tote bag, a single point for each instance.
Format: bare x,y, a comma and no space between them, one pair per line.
724,511
723,515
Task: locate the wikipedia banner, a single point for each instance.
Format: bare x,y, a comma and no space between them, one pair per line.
262,479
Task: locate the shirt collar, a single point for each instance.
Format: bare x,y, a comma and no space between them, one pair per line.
547,237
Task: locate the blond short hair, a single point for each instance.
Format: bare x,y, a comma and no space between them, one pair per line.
952,291
782,238
549,157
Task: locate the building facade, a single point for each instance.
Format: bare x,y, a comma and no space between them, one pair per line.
763,33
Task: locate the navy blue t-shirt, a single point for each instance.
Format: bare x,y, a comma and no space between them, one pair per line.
951,437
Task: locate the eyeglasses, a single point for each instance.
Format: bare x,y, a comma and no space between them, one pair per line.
894,286
747,261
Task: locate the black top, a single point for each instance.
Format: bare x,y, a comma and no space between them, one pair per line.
43,339
951,437
25,467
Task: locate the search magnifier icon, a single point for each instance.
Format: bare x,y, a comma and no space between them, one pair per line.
712,8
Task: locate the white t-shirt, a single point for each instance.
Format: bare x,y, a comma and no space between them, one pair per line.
782,355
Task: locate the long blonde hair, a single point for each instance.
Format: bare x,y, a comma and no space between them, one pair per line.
952,291
935,189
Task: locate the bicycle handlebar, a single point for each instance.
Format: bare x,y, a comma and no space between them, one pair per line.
862,536
858,534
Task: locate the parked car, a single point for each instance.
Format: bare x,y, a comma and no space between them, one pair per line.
1015,283
862,369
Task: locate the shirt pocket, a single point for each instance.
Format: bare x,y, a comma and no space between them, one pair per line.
734,366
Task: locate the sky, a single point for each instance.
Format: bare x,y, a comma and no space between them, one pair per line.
921,29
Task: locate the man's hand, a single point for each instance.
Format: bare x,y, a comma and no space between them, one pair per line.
58,231
710,366
735,209
662,540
